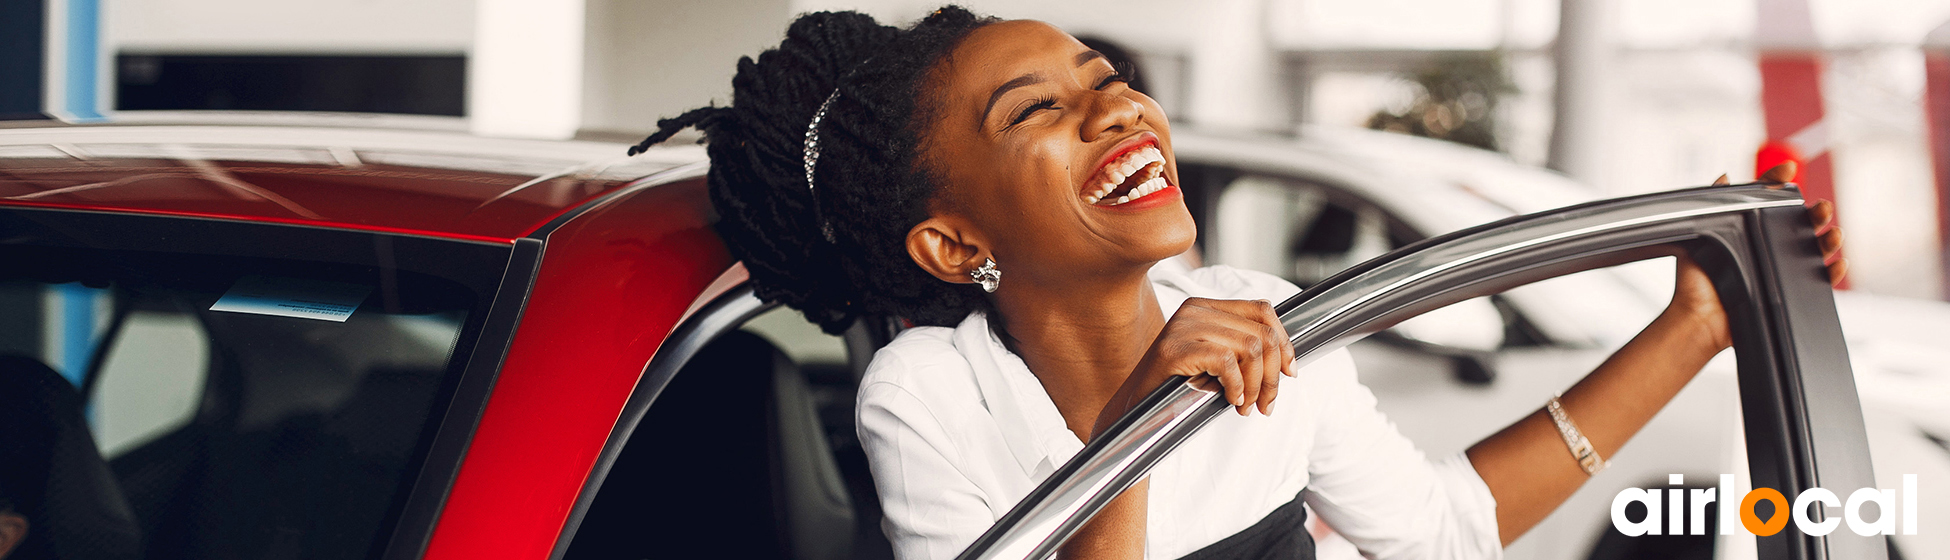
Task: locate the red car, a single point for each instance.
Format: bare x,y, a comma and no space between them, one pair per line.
498,303
280,342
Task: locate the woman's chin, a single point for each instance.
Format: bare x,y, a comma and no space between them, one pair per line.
1159,236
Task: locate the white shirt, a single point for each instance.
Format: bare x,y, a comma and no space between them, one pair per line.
957,430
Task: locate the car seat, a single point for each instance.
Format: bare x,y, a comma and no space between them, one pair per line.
729,462
55,473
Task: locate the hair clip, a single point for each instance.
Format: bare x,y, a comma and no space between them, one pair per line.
812,160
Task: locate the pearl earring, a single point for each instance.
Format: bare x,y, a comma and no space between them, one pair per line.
987,275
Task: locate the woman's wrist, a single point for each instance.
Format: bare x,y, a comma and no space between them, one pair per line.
1695,328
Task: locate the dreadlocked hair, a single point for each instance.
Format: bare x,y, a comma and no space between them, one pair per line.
869,185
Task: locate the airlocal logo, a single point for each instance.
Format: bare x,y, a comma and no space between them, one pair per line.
1746,520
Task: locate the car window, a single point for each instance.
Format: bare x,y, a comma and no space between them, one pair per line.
781,475
1326,228
151,379
234,429
1305,232
1315,231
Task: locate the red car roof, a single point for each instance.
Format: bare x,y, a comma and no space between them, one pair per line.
425,183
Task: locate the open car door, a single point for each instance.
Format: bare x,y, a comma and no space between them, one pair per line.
1803,419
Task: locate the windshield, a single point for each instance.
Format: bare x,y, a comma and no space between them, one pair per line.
246,407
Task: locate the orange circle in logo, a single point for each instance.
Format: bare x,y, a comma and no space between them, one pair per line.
1752,522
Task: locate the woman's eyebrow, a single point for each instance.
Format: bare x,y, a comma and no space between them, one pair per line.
1023,80
1081,59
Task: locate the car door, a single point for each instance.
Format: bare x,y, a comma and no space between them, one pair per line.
1449,378
1802,420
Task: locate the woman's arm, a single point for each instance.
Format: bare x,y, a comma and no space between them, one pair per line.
1527,466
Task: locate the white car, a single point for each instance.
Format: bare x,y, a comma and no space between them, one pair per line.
1308,207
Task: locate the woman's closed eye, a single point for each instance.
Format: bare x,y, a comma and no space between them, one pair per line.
1120,73
1040,104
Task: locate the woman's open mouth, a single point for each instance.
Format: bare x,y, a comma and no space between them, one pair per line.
1131,176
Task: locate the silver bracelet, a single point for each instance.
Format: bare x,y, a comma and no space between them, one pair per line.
1574,439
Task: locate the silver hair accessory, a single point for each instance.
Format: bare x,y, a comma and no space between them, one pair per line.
812,160
987,275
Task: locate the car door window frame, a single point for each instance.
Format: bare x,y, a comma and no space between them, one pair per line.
1803,419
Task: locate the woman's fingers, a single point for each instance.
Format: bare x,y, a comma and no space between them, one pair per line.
1828,235
1249,355
1269,370
1276,331
1245,336
1232,378
1822,216
1263,345
1831,244
1278,357
1780,174
1837,271
1269,379
1261,314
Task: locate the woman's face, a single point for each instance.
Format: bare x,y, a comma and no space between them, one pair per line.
1061,168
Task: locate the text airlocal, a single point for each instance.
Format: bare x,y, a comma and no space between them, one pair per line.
1743,520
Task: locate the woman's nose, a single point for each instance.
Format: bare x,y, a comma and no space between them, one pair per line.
1110,114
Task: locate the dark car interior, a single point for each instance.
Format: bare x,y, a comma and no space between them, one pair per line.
784,479
297,435
53,474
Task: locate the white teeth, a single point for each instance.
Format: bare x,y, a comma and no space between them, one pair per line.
1123,168
1098,195
1153,185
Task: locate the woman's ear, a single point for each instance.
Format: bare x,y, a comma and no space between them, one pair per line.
947,248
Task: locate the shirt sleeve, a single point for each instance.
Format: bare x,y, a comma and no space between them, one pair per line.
1374,487
932,509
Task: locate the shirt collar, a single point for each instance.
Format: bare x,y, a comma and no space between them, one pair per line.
1030,423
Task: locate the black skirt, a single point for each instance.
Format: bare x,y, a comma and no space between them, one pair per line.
1281,535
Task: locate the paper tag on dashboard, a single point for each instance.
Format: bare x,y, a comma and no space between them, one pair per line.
292,297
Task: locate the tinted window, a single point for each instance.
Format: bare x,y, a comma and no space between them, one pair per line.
414,85
247,434
782,476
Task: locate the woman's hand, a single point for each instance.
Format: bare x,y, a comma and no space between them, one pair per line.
1239,344
1693,293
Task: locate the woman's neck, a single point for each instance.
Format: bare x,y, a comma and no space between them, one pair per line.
1082,341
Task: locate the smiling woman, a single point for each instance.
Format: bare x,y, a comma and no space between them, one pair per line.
999,186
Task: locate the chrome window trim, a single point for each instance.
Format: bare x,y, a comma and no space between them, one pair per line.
1755,243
